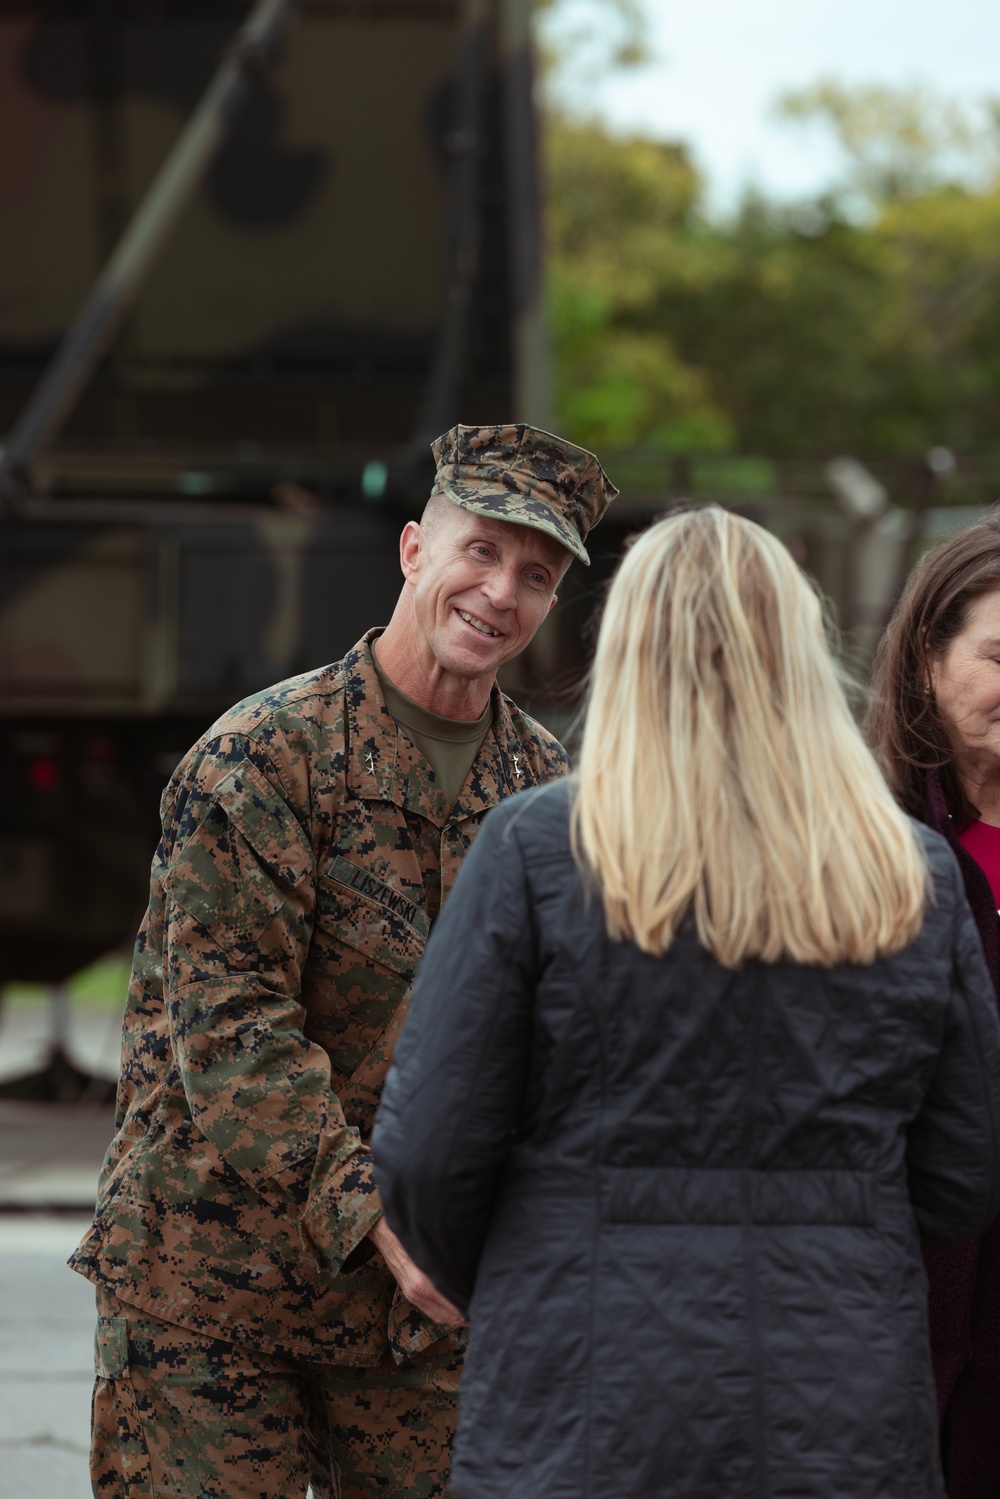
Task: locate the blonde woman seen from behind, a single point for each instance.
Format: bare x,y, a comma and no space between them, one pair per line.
701,1054
721,769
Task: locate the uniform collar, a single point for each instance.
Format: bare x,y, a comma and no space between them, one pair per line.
502,766
383,765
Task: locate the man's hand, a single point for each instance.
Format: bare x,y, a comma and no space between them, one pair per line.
413,1282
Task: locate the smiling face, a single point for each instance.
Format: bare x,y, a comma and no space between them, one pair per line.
966,683
478,589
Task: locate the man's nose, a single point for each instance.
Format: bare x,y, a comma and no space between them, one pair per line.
501,587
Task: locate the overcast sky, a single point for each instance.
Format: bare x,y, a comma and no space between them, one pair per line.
720,63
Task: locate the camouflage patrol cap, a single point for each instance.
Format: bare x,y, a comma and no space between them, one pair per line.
522,474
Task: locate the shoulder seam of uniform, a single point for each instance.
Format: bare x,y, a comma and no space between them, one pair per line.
251,730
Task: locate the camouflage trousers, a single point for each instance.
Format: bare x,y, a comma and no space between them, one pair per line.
175,1414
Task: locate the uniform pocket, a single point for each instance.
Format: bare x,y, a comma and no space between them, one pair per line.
371,917
368,940
247,855
119,1455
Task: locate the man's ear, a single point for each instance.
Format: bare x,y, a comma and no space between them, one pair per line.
553,601
411,549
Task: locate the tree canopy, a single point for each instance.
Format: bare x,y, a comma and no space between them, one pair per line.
867,319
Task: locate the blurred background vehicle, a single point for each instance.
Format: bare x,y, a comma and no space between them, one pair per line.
249,268
352,268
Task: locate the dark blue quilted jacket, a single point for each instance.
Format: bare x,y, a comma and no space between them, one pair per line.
685,1206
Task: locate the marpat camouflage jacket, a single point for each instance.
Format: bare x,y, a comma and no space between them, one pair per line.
306,849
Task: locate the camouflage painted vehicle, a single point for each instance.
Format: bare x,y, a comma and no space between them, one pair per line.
357,268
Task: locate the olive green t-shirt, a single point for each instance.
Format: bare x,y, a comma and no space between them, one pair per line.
447,744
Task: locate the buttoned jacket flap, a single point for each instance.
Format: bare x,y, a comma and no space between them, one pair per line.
243,861
371,913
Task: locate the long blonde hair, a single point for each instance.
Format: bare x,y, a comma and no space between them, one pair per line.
721,771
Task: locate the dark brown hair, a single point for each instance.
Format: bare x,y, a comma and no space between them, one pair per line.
904,728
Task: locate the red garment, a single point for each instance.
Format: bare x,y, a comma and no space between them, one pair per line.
964,1282
982,841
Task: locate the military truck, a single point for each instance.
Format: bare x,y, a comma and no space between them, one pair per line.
316,256
217,506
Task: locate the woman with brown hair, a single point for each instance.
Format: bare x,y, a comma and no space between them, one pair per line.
701,1050
934,724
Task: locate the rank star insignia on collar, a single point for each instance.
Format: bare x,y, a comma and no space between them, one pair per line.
517,767
370,757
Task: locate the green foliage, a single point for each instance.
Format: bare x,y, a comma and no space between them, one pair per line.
629,33
868,320
617,230
103,985
897,142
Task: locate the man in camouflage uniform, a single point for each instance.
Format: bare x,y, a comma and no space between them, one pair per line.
259,1326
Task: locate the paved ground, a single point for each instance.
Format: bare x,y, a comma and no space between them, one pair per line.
46,1360
49,1157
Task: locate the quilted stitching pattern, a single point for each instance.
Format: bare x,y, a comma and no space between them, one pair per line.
684,1204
